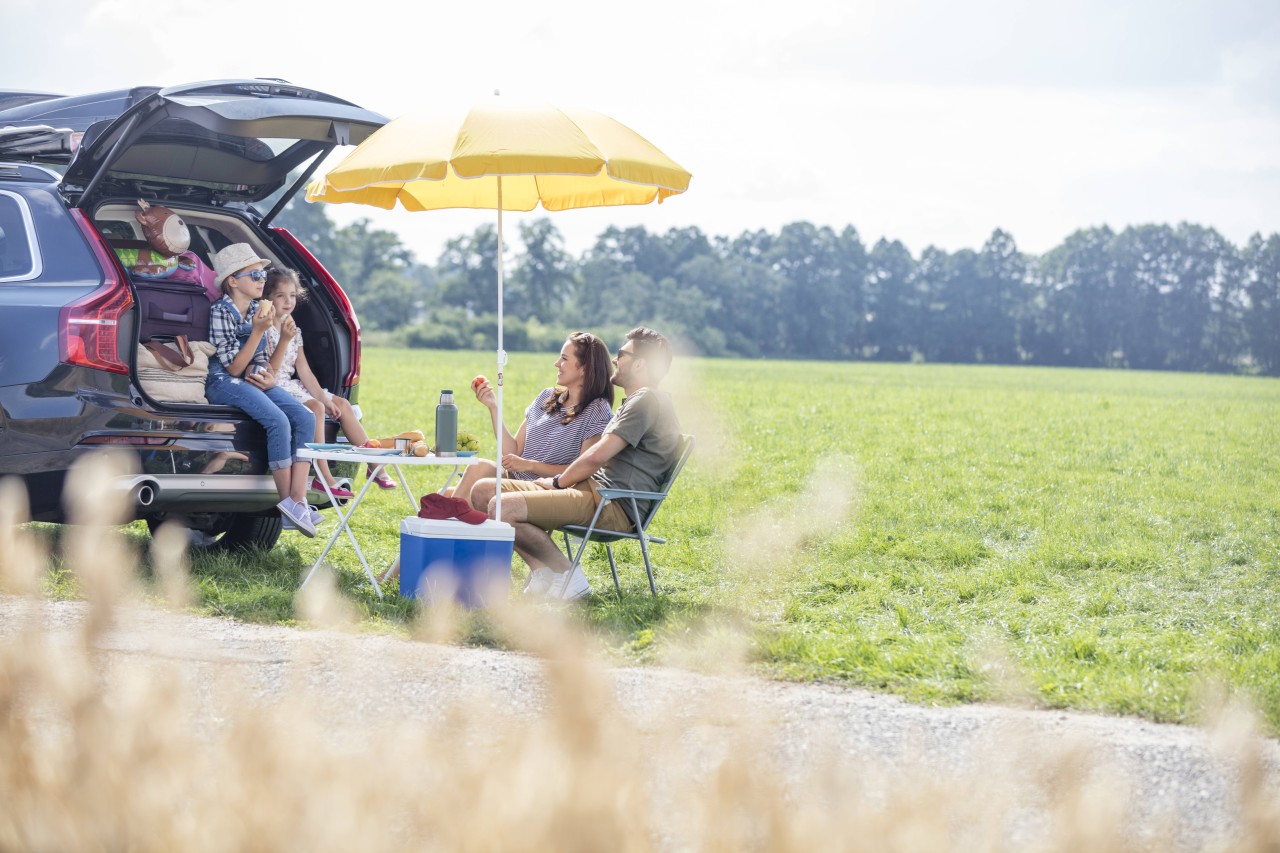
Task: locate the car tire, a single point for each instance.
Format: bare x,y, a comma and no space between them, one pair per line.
226,531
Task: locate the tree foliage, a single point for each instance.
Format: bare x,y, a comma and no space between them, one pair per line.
1151,297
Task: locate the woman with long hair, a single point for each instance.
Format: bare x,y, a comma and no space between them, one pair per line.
560,424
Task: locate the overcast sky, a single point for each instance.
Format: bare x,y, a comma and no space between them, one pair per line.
928,121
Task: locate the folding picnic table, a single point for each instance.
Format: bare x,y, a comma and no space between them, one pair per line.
381,461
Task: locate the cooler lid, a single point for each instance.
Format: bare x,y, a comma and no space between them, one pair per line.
451,528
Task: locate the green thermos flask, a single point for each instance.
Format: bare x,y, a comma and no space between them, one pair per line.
446,425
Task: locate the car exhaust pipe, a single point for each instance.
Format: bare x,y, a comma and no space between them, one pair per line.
145,494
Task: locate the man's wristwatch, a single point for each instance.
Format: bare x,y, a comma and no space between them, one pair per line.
555,482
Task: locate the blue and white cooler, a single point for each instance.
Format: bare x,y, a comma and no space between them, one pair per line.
469,562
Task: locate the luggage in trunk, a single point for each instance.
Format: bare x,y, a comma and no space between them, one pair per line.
171,309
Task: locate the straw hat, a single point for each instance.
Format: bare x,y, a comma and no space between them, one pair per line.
232,259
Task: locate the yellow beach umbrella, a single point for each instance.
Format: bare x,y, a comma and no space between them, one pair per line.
559,158
500,156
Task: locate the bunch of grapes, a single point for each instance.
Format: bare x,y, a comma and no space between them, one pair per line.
467,441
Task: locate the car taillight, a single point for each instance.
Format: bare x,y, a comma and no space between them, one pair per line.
87,328
335,290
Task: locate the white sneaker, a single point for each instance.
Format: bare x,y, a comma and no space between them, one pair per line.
570,585
297,516
314,514
540,580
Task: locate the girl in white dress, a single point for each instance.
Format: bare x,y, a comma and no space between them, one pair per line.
293,374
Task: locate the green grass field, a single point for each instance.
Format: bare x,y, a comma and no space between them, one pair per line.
1097,540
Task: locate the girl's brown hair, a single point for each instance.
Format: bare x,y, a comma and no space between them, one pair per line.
276,275
593,355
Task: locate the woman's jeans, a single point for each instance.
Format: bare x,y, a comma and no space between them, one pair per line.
288,423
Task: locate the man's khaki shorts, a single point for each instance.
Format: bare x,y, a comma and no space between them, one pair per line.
554,508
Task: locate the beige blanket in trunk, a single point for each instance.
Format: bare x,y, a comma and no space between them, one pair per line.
175,386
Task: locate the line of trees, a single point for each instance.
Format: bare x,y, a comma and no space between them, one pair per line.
1153,297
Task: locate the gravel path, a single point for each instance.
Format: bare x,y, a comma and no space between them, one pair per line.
1173,773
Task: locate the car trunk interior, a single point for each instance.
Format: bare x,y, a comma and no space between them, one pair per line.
212,230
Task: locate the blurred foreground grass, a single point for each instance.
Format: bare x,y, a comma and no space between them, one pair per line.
126,728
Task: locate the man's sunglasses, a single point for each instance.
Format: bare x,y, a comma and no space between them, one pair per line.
256,275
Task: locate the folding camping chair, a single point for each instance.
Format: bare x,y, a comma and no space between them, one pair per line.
628,498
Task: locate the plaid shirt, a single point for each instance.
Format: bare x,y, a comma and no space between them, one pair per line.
229,332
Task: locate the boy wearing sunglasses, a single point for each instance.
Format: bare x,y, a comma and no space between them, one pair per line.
241,376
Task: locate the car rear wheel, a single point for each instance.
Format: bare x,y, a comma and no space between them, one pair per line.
225,531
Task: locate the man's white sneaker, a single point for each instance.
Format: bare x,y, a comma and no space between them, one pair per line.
540,580
297,516
570,585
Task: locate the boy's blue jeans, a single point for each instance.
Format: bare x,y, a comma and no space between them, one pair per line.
288,423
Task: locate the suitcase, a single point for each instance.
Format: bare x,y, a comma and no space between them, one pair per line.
171,309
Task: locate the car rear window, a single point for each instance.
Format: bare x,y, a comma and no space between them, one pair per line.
19,259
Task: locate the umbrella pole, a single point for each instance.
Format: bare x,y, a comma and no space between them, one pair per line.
502,360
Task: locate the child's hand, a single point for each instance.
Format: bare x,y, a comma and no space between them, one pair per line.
263,379
265,316
331,408
288,328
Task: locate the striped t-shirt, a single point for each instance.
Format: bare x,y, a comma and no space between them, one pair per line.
547,440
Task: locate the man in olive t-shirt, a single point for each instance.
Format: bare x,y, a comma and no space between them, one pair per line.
636,450
646,422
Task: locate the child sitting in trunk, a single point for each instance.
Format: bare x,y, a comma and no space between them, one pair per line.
293,374
240,376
